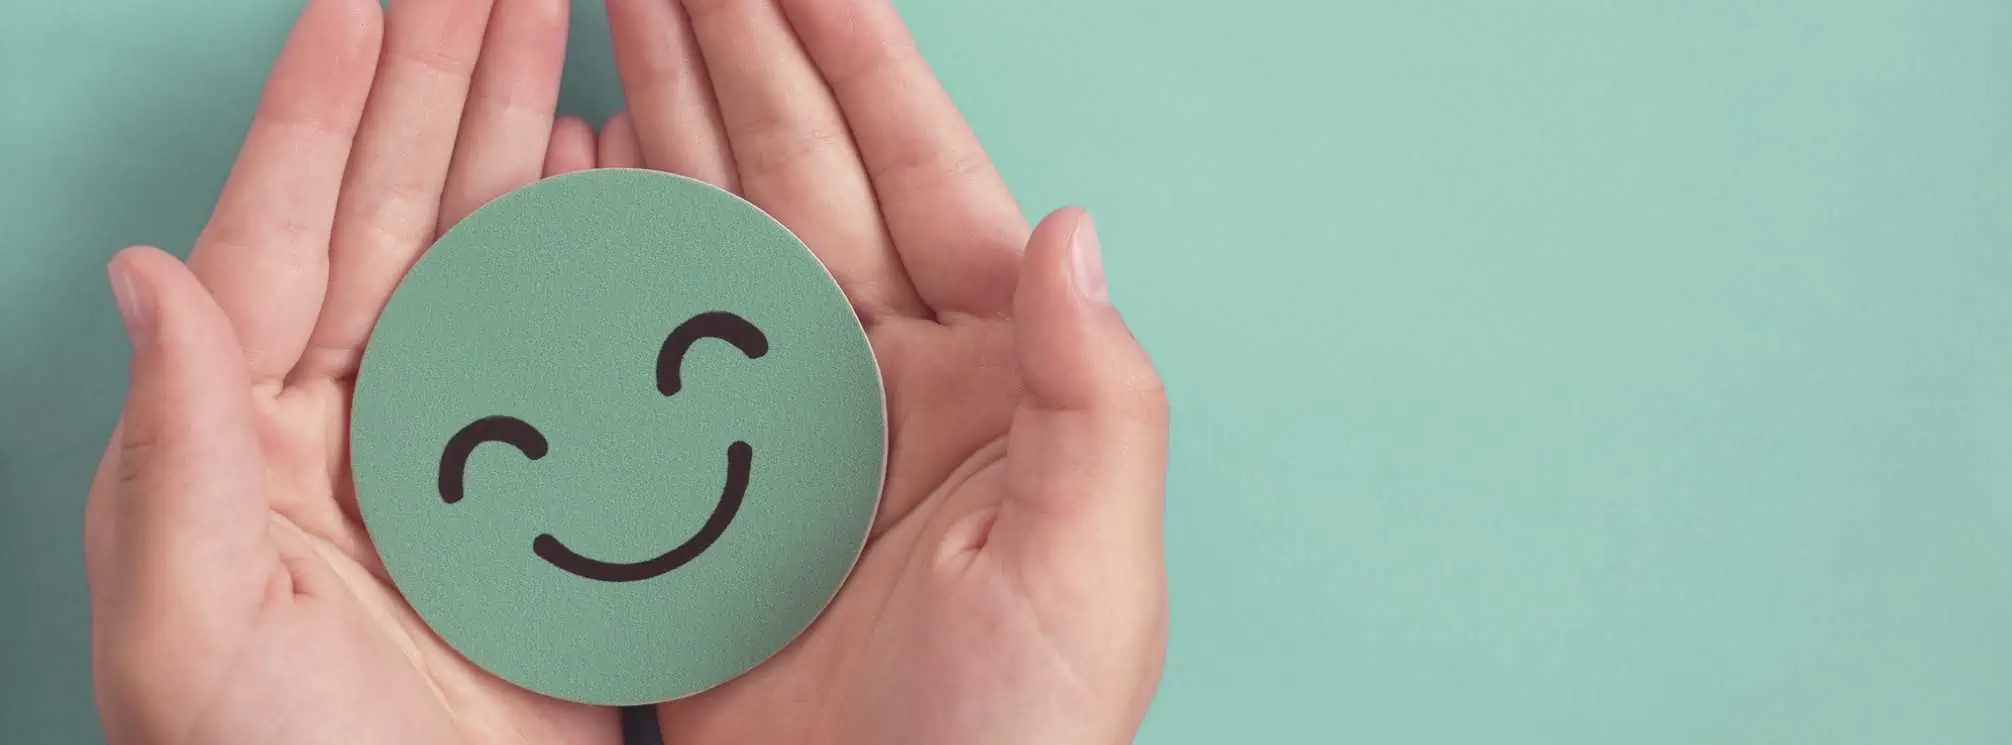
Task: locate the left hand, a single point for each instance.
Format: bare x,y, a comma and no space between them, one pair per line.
1013,587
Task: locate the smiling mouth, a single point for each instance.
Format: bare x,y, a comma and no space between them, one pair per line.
519,434
527,440
740,458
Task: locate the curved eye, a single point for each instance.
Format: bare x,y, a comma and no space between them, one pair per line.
720,325
507,430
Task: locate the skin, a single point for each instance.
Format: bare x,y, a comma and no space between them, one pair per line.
1013,590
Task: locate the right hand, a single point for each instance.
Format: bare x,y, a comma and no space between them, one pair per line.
235,595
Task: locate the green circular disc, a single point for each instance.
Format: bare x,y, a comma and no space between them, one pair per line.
618,437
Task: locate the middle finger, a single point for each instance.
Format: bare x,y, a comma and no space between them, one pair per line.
795,156
511,103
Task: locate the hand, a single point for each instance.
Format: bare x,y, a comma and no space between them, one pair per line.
236,597
1013,590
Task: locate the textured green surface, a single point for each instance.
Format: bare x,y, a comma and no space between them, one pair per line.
1545,371
550,305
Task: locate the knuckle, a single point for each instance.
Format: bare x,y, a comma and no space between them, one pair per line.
1148,395
432,59
547,16
862,56
137,453
705,11
285,242
778,148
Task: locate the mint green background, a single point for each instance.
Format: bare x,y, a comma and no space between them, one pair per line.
1544,372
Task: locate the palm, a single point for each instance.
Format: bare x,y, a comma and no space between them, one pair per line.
374,132
977,612
931,622
364,630
331,610
951,396
1011,590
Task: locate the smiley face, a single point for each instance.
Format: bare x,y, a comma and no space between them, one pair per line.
618,437
528,440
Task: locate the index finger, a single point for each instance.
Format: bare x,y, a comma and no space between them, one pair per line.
957,228
264,253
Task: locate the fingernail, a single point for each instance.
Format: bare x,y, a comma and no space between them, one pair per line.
1089,262
134,310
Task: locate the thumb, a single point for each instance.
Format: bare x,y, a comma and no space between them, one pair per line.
1087,453
186,498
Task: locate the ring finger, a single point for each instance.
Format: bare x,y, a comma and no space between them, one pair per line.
675,120
794,153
